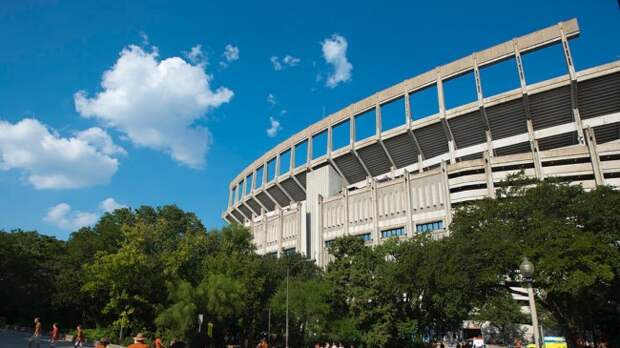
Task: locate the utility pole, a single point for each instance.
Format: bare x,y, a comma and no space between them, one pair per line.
286,339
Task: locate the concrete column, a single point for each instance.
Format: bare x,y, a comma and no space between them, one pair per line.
488,172
300,228
375,218
345,197
442,114
599,178
320,249
446,184
230,197
410,231
324,182
483,112
280,231
528,115
573,84
265,232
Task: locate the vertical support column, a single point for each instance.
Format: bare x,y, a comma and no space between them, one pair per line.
375,212
446,185
409,212
528,114
230,196
253,184
378,125
277,169
573,84
352,131
309,159
346,210
321,244
483,112
265,175
488,172
299,228
599,178
265,232
409,119
291,168
280,230
442,114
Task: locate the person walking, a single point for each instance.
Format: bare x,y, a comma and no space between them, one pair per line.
138,342
158,343
36,336
102,343
79,337
54,335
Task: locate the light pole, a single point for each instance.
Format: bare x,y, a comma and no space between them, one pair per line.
286,337
527,271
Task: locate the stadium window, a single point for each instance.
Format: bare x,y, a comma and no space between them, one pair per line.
423,102
429,226
393,114
365,125
271,170
319,144
285,162
341,135
366,237
259,176
460,90
544,63
393,232
499,77
329,243
289,251
301,153
248,184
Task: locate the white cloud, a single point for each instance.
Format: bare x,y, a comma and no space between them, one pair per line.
109,205
335,53
52,162
196,56
64,217
231,53
271,99
101,140
157,103
287,61
274,127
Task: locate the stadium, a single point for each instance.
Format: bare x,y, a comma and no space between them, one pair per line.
326,181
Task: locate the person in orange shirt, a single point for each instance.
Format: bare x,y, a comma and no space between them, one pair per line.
54,335
158,343
36,337
138,342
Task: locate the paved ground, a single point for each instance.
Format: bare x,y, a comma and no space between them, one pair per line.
11,339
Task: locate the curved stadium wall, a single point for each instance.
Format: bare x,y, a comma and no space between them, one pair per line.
407,180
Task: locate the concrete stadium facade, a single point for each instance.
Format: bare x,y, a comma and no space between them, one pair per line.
408,180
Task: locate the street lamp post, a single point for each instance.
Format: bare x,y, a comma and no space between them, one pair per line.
286,337
527,271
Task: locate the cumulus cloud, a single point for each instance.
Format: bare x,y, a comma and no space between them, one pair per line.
335,54
50,161
101,140
157,103
64,217
231,53
271,99
287,61
196,56
274,127
109,205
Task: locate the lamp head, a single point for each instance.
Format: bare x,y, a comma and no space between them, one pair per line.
526,268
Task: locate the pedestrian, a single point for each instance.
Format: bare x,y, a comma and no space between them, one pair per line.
102,343
138,342
36,336
79,337
54,335
263,343
158,343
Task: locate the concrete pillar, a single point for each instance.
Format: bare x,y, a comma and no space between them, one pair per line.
488,172
599,178
324,182
446,185
410,231
375,211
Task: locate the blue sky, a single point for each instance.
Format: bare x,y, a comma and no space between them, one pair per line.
63,155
